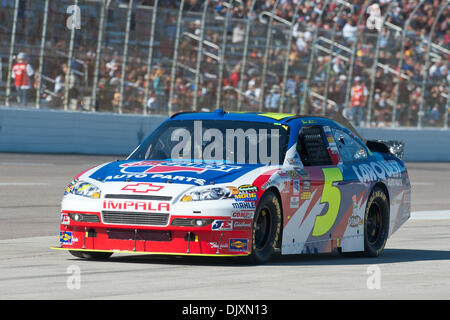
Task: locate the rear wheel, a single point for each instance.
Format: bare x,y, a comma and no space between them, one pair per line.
376,223
266,228
91,255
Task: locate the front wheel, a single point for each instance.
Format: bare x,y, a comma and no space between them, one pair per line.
266,228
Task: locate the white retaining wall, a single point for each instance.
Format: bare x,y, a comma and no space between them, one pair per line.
427,144
52,131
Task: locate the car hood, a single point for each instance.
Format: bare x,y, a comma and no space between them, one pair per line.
176,172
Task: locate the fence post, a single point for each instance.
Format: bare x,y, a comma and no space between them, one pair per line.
222,53
69,65
199,56
11,52
244,58
330,57
311,59
41,55
125,55
375,65
175,58
266,57
400,62
288,54
447,108
352,59
427,62
105,6
150,54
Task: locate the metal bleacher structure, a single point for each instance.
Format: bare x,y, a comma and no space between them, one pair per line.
203,48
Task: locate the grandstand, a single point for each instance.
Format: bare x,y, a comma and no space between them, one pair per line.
160,57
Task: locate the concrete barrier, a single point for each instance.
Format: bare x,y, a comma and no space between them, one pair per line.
54,131
426,144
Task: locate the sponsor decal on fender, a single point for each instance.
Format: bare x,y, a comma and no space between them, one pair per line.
294,202
131,205
355,221
377,170
65,219
244,205
292,174
306,195
222,225
215,245
395,182
233,190
238,244
246,197
248,188
296,187
65,237
306,184
242,224
243,214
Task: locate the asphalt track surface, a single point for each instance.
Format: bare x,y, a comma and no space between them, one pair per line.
414,265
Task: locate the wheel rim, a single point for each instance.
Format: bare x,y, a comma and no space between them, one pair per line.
262,228
374,224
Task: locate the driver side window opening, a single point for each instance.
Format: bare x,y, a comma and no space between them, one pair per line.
311,147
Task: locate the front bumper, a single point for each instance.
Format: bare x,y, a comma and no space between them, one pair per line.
233,240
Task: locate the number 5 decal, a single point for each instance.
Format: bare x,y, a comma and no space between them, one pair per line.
332,196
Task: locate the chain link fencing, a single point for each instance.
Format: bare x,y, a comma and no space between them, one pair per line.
379,65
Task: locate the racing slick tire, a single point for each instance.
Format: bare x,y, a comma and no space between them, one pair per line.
376,223
91,255
266,229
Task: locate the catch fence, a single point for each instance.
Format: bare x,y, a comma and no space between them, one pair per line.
161,57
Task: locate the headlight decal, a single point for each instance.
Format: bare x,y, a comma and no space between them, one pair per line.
70,186
244,193
209,193
83,188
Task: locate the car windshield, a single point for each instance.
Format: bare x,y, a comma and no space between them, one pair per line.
225,141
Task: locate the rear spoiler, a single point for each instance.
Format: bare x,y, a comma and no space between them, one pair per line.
395,148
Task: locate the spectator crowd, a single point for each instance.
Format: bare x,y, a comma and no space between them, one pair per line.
328,83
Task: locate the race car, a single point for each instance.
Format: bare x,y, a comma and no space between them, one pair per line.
243,185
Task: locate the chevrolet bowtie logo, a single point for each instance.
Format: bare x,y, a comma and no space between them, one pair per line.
142,187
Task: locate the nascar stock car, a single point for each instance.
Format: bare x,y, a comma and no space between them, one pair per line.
240,184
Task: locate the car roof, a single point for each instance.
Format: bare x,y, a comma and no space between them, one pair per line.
268,117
